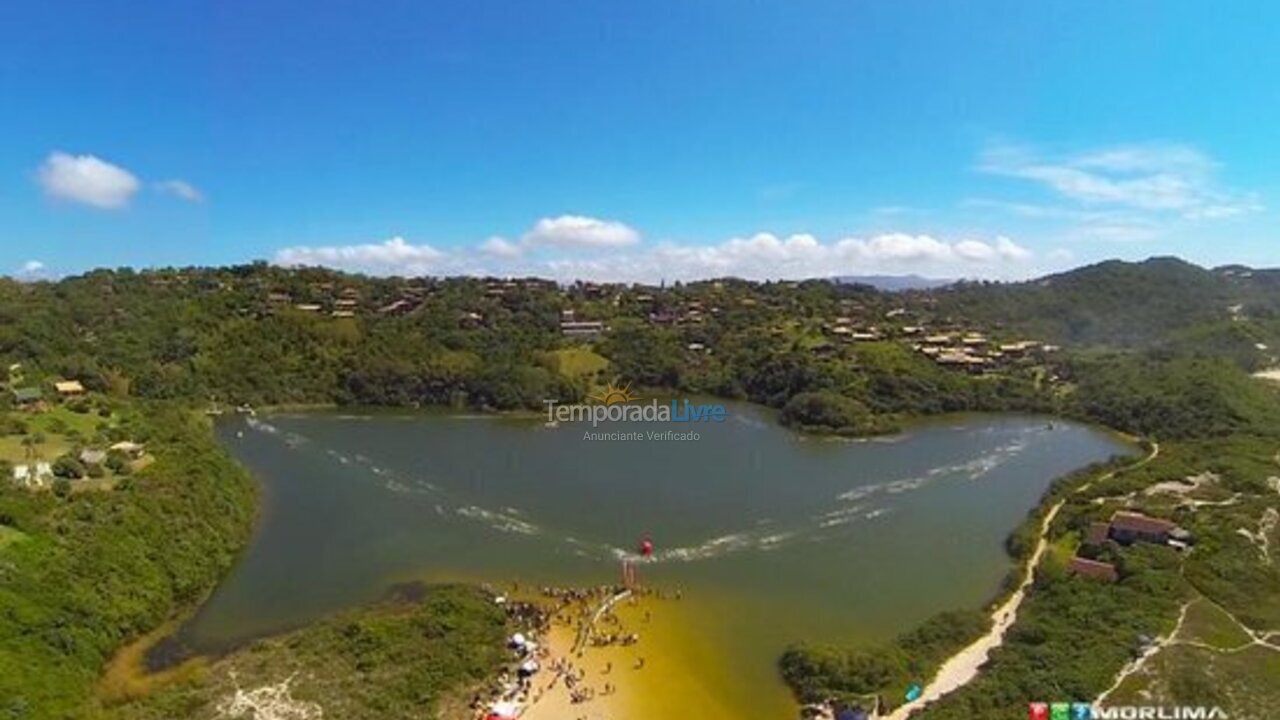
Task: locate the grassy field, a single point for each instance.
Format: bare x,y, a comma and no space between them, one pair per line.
1245,684
59,426
577,362
12,449
1207,623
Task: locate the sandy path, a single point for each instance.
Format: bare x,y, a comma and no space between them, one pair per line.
1136,664
963,667
960,669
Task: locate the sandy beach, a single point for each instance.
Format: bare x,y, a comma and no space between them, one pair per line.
636,664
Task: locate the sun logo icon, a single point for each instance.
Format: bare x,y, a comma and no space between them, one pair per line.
614,394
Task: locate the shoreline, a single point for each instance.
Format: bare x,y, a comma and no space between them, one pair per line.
633,664
625,702
964,666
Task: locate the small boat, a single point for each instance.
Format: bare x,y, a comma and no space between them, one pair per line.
551,424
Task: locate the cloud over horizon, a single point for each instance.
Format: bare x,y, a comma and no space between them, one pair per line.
580,231
763,256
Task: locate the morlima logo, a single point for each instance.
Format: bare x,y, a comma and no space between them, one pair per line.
1140,712
1087,711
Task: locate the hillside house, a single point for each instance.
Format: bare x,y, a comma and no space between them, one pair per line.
1097,534
399,307
92,457
1127,528
69,388
130,448
27,397
1093,569
32,475
582,329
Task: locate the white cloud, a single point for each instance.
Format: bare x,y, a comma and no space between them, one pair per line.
500,247
29,270
579,231
390,257
1007,249
86,179
1158,178
760,256
181,189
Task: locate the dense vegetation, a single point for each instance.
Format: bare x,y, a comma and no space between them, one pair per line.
1163,302
396,661
95,569
1159,349
1074,634
214,335
855,676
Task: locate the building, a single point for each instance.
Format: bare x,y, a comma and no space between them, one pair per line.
27,396
92,457
69,388
1097,534
132,449
1128,527
399,307
585,329
1093,569
32,475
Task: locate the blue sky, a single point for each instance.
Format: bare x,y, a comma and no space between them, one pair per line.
637,140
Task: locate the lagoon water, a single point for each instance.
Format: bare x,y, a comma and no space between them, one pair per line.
771,537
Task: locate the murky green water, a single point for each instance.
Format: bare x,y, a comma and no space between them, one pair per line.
771,537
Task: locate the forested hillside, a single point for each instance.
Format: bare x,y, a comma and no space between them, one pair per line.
90,571
1160,349
1162,302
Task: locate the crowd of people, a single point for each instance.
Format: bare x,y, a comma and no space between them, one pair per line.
590,614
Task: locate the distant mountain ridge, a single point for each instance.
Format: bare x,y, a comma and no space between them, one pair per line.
1158,302
892,283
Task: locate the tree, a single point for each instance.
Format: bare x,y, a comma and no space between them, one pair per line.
68,466
62,487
